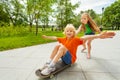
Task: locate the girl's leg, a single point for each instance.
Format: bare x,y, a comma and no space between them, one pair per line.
89,48
84,46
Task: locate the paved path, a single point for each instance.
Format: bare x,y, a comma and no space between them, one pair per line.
20,64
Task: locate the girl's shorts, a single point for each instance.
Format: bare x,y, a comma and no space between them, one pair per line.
92,33
67,58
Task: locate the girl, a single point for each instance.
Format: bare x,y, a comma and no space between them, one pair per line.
89,27
67,50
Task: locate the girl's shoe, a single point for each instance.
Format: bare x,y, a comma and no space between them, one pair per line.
48,70
83,49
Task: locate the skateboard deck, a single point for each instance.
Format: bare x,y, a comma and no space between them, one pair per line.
60,66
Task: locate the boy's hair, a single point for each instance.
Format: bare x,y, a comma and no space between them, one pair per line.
91,22
69,27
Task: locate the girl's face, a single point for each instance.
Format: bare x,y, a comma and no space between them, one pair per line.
84,19
69,33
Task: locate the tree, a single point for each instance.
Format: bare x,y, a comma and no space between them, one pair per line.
65,12
46,12
39,12
30,12
4,18
14,10
111,16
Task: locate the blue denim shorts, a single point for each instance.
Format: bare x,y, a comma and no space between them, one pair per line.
67,58
92,33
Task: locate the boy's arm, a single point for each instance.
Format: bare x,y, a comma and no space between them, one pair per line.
49,37
102,35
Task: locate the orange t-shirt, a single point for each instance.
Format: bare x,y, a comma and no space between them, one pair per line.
72,45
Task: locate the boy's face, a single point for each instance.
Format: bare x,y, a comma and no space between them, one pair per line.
69,33
84,19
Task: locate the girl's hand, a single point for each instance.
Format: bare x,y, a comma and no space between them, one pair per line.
107,35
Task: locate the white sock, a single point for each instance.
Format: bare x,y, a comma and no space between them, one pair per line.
52,64
49,61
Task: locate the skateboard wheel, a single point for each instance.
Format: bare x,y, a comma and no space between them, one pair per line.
51,76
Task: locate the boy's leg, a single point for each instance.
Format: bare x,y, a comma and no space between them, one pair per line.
61,52
54,52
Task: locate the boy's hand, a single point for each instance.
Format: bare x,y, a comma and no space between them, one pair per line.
44,36
49,37
107,35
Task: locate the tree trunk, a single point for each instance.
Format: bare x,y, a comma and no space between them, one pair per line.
30,27
36,28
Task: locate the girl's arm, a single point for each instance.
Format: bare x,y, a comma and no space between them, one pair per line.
49,37
98,30
79,29
102,35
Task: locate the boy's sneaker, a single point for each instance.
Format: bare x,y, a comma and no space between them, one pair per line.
45,65
48,70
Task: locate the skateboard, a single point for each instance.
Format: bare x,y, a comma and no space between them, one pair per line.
60,66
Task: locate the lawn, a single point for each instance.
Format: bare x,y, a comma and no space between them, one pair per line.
11,38
26,40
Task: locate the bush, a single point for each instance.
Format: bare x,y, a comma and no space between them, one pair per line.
7,31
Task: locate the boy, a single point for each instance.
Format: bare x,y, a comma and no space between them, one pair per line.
68,47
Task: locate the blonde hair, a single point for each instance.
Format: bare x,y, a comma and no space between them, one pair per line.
91,22
69,27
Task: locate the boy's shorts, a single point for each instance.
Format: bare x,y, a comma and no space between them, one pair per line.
67,58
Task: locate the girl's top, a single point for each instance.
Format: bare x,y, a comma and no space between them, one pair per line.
88,30
72,45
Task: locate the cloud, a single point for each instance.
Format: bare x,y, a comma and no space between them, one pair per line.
96,5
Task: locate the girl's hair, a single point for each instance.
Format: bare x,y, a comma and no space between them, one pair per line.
69,27
92,24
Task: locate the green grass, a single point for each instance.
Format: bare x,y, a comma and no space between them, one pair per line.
25,40
16,37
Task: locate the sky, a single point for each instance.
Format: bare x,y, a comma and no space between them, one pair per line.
96,5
